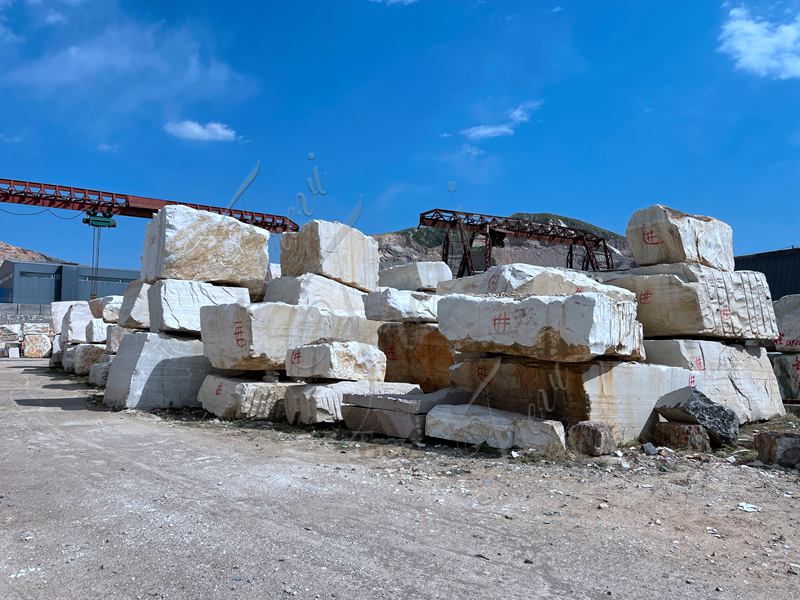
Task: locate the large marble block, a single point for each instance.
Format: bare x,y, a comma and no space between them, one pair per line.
345,361
257,337
106,308
37,329
555,328
401,306
316,290
333,250
87,355
57,312
73,325
153,370
96,331
174,304
114,335
196,245
36,346
658,234
232,398
787,314
416,353
98,373
787,371
415,276
135,311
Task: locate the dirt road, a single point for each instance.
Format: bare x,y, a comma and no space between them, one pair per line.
95,504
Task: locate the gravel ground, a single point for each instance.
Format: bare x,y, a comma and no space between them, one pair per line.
95,504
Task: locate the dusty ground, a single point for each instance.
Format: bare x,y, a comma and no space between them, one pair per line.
95,504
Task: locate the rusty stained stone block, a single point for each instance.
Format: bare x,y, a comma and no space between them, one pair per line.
684,436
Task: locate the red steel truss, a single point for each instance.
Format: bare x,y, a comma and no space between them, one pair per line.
82,199
493,230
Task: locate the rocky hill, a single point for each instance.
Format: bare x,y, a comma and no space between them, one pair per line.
9,252
425,243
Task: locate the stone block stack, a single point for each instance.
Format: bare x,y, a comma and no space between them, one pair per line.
96,363
786,359
73,345
700,314
191,260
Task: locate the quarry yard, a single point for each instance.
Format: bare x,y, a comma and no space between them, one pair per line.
99,504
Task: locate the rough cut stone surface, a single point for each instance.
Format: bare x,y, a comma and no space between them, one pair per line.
11,332
474,424
345,361
787,314
333,250
114,335
787,371
558,328
415,276
257,337
737,376
401,306
688,405
106,308
682,436
521,280
414,402
184,243
135,312
416,353
174,304
620,394
98,373
778,448
274,271
86,355
96,331
322,403
57,312
68,358
153,370
36,346
231,398
592,439
73,325
56,354
316,290
37,329
658,234
693,300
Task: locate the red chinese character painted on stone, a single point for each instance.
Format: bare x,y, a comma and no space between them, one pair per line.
390,352
218,391
579,289
296,356
725,313
698,363
645,297
797,364
650,237
779,339
481,372
501,322
692,380
238,334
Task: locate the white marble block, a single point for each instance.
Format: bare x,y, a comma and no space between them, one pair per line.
232,398
174,304
196,245
57,312
37,329
333,250
106,308
401,306
415,276
135,312
98,373
787,313
346,361
36,346
315,290
114,335
85,356
658,234
96,331
73,325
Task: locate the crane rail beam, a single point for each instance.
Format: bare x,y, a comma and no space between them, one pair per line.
83,199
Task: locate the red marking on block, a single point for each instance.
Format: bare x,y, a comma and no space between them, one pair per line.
698,363
296,356
501,322
218,391
390,352
650,238
692,380
579,289
645,297
493,280
238,334
797,364
725,313
481,372
779,339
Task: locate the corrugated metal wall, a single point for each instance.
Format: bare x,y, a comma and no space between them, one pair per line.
782,268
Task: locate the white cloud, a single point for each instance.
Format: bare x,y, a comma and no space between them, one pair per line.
761,47
109,148
10,139
516,117
398,2
192,130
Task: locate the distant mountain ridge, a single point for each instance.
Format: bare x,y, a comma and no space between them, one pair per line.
9,252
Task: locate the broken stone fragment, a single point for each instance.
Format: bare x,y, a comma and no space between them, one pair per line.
96,331
696,301
73,325
521,280
401,306
316,290
98,373
85,356
332,250
106,308
135,312
257,337
415,276
552,328
346,361
658,234
591,438
474,424
416,353
787,371
778,448
787,314
114,335
153,370
620,394
682,436
36,346
174,304
232,398
57,312
322,403
689,405
737,376
196,245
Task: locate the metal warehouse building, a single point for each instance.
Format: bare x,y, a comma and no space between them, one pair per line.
782,268
44,282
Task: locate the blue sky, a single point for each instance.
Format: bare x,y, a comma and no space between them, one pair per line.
587,109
